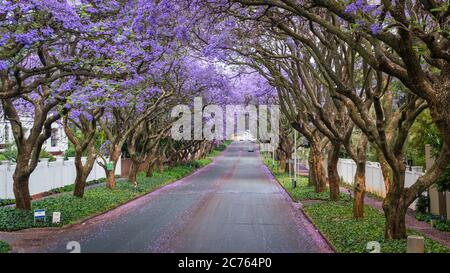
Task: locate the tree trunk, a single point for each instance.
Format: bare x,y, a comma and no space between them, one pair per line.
21,190
318,169
161,165
359,190
21,179
80,179
80,185
440,109
394,206
283,163
28,147
133,172
83,172
111,179
333,175
150,166
385,170
395,212
312,176
111,174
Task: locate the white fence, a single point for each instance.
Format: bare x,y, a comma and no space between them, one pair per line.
47,176
374,176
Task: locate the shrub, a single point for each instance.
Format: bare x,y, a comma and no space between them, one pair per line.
4,247
5,202
221,147
440,223
70,152
10,152
45,154
422,204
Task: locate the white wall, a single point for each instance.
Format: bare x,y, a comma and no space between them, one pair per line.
47,176
374,176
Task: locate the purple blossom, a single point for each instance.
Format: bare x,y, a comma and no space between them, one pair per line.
361,6
27,38
352,8
376,28
4,39
369,8
4,65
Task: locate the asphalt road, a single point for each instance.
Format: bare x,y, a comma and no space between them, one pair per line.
232,205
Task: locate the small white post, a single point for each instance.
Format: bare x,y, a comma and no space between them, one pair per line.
415,244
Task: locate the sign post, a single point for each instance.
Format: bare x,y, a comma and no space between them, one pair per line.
56,219
39,214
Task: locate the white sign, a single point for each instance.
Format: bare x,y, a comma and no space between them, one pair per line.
39,213
56,217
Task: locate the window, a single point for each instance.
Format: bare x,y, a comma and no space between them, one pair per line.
54,138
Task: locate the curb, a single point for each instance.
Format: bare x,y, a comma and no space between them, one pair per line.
303,211
318,230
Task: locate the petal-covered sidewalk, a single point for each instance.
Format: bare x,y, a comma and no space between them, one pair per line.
411,222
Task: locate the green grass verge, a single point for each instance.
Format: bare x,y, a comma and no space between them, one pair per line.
96,200
335,221
302,191
4,247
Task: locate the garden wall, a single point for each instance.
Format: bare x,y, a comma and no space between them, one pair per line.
374,176
47,176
